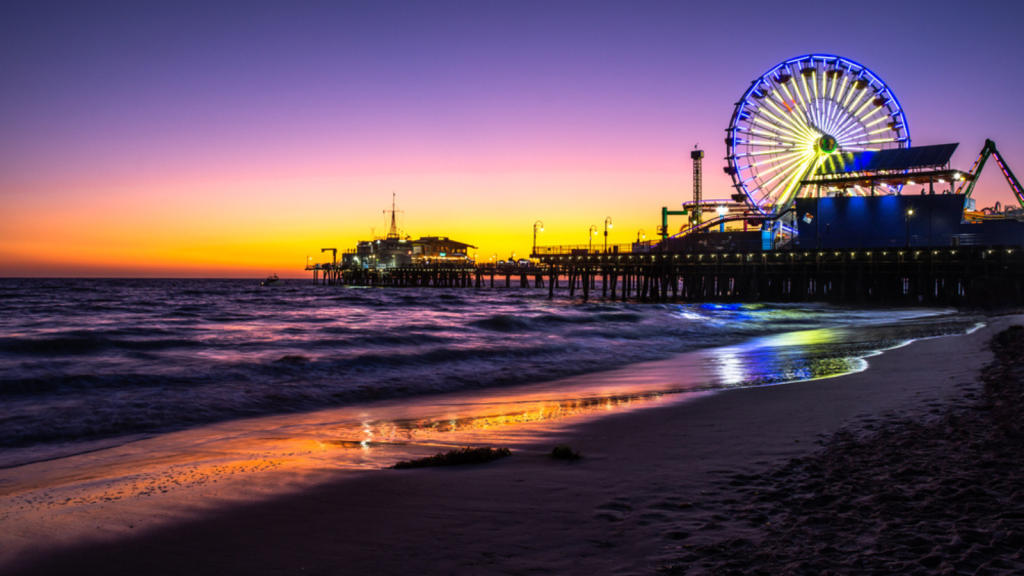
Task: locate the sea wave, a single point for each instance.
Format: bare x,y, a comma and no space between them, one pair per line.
83,359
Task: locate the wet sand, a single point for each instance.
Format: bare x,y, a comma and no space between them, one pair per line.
662,488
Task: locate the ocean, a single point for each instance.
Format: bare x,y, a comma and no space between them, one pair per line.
89,359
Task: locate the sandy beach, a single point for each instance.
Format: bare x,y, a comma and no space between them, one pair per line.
700,486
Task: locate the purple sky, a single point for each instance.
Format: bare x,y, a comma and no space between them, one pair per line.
102,101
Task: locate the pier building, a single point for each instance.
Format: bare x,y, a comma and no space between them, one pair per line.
392,252
401,252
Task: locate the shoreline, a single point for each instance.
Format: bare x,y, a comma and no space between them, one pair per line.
629,502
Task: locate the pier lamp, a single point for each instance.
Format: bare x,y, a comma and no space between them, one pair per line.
640,234
535,224
607,225
721,211
590,236
906,221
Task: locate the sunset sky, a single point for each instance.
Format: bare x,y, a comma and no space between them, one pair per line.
235,139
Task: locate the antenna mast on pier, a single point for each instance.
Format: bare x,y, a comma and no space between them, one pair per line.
393,231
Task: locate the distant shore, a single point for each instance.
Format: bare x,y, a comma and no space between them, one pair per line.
653,488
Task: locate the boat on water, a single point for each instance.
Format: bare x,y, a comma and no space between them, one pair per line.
272,280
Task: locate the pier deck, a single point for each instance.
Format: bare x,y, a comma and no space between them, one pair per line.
930,276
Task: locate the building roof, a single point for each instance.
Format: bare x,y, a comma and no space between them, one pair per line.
896,159
443,240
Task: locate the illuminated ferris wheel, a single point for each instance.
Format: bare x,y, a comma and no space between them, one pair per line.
802,113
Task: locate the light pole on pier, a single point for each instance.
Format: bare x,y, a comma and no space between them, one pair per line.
590,236
535,224
640,234
607,225
906,221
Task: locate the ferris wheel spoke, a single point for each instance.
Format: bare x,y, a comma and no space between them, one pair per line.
845,124
832,112
855,93
795,106
799,176
828,89
839,116
773,143
850,132
756,132
879,108
779,157
867,102
876,121
780,171
790,177
768,140
780,121
752,154
842,88
857,100
804,124
800,79
813,100
772,102
769,187
805,101
875,141
781,132
778,164
814,82
812,110
851,123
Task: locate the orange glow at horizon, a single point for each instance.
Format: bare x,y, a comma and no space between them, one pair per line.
250,228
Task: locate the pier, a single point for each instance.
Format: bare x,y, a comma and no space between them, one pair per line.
640,272
948,276
821,211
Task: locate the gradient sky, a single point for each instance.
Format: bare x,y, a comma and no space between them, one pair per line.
236,139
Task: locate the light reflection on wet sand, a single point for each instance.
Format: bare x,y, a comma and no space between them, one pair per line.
152,480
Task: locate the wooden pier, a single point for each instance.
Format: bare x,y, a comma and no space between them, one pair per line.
928,276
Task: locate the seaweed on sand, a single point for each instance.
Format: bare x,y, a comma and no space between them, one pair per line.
564,452
457,457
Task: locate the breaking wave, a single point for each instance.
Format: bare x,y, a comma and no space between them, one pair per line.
83,359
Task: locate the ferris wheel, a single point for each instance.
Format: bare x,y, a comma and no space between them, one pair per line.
802,113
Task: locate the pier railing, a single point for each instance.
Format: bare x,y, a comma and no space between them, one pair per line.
584,249
904,241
